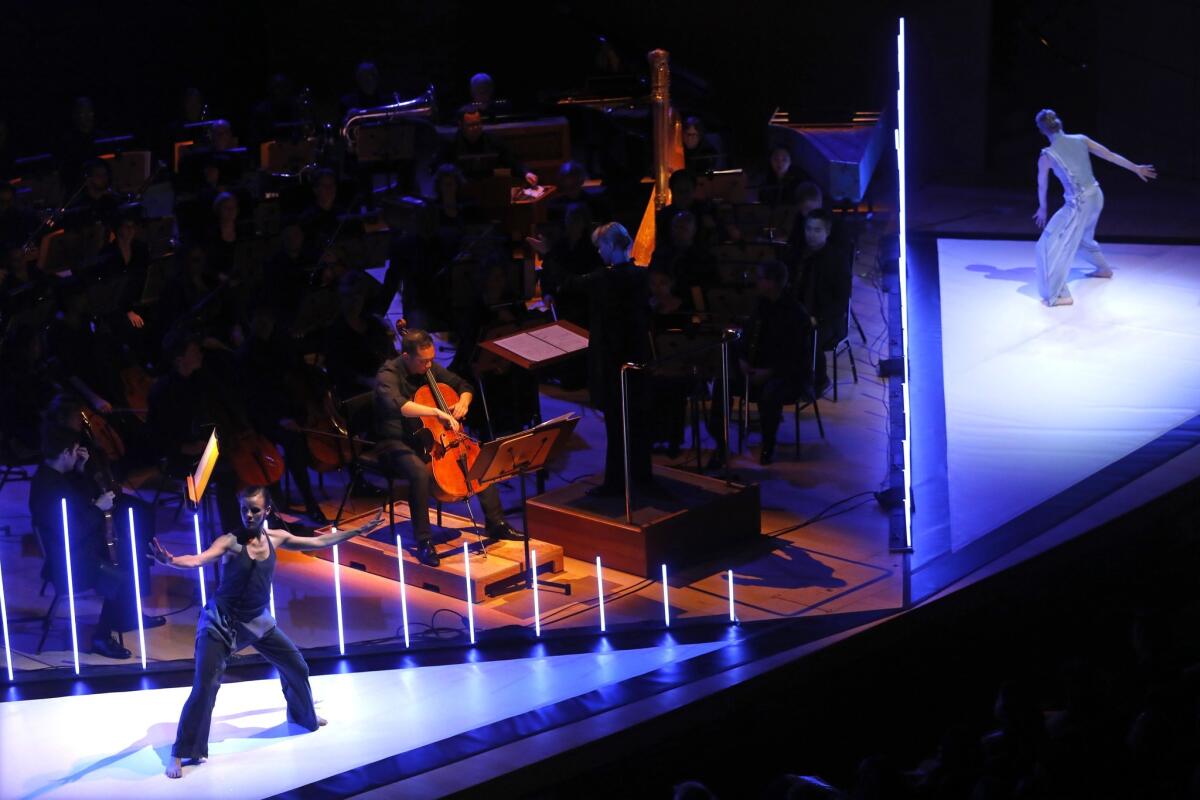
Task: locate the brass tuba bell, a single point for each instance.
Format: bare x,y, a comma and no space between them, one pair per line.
422,107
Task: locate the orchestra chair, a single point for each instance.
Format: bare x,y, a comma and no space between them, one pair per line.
840,343
805,398
368,457
51,579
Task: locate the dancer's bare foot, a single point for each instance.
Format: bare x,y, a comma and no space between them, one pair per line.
175,768
322,722
1062,300
1100,272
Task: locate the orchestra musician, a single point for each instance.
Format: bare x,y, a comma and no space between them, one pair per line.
95,562
237,616
398,422
619,294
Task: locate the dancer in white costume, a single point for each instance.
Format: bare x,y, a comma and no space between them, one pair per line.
1073,227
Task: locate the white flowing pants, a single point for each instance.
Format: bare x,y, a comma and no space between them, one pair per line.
1072,229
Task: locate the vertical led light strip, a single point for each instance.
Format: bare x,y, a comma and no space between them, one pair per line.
199,570
272,601
70,585
137,587
732,615
403,588
537,610
4,616
600,593
666,599
470,596
337,593
906,445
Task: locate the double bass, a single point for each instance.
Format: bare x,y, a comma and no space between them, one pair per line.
451,453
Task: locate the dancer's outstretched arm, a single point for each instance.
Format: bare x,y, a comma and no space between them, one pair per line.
286,541
215,552
1143,171
1043,179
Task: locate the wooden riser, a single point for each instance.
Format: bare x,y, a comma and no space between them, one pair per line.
698,519
505,561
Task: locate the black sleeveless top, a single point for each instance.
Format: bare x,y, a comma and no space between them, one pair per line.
245,589
238,612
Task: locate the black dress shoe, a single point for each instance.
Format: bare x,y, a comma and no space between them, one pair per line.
504,531
427,555
604,490
109,648
149,622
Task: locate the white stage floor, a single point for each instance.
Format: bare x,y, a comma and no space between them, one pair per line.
1037,398
116,744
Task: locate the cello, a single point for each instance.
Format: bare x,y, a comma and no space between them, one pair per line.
451,453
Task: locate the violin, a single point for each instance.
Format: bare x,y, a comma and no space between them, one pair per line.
451,453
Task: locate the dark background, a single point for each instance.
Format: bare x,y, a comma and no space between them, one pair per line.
1126,72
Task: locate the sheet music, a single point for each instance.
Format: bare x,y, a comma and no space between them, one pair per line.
529,347
564,339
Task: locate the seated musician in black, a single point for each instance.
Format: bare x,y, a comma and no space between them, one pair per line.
571,254
237,616
569,189
182,413
271,369
683,198
78,143
699,154
96,203
16,223
484,100
367,93
780,185
61,476
776,357
398,424
692,266
323,220
478,154
821,281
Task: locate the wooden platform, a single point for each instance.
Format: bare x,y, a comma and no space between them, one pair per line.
694,519
504,562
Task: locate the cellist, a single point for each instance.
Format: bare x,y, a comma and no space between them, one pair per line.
399,425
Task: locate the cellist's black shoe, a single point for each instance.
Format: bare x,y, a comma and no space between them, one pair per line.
109,648
427,555
504,531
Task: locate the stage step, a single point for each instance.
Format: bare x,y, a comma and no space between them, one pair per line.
504,563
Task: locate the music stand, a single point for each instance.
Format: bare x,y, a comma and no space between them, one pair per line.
516,456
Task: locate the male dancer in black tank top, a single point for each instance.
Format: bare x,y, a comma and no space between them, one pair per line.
237,615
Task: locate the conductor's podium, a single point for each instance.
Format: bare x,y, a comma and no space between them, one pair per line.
693,520
505,562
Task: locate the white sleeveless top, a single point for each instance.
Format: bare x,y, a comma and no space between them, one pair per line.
1072,163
